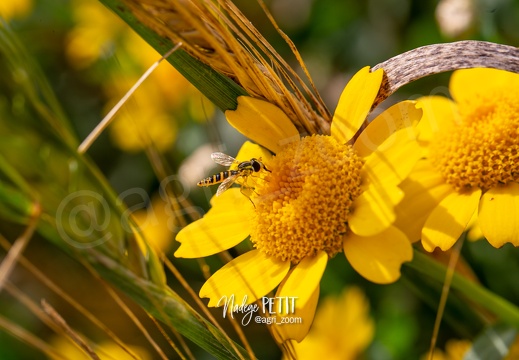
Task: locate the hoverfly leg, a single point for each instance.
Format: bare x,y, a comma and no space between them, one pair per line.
252,202
246,191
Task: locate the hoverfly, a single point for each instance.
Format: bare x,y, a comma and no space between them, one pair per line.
228,177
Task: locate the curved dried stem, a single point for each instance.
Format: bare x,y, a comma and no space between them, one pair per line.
434,59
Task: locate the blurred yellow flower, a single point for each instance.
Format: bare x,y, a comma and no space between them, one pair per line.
454,350
106,351
170,83
513,351
471,164
148,118
10,9
321,196
94,34
342,329
156,223
144,120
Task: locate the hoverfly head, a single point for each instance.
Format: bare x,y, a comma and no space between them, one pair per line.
256,165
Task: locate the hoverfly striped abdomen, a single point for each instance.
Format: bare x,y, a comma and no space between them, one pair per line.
217,178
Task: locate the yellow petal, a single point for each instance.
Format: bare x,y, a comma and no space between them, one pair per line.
467,84
449,219
262,122
439,113
297,331
355,103
302,283
393,160
373,210
224,226
305,277
424,189
499,215
247,278
403,115
250,150
378,258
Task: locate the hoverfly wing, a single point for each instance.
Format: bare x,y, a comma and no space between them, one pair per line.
226,184
223,159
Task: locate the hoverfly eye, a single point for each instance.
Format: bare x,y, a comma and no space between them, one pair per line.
256,165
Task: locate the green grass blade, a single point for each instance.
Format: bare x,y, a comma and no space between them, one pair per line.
40,164
221,90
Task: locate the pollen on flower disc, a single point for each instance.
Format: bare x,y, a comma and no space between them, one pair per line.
303,205
483,150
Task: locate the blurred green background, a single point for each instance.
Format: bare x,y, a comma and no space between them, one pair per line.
91,58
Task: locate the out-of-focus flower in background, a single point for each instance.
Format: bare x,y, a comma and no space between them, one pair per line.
94,35
342,328
11,9
156,223
152,116
105,350
454,350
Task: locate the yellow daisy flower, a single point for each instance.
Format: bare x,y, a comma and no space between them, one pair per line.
321,196
342,328
471,164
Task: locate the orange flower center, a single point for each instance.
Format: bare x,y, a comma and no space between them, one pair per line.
303,205
483,149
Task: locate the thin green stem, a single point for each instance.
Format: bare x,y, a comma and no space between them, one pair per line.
503,309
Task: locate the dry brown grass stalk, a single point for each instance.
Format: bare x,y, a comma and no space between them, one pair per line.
219,35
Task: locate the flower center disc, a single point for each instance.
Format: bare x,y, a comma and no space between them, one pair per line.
303,205
483,150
